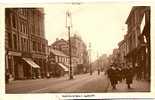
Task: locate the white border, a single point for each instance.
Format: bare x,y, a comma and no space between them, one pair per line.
57,96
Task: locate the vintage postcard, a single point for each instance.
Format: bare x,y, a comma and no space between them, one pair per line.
101,48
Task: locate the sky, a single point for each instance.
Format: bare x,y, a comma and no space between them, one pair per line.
101,24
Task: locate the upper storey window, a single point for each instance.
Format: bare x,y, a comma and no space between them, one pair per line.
14,24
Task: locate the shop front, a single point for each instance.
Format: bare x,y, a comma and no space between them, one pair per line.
32,70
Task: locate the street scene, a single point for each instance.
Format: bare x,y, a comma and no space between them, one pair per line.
84,83
117,99
77,48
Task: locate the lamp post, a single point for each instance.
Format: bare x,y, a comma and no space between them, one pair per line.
69,25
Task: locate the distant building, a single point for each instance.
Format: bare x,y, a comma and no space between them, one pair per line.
116,56
25,43
58,63
61,45
102,63
78,51
81,53
122,52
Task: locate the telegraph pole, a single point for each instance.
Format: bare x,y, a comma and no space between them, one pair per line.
98,66
69,25
90,67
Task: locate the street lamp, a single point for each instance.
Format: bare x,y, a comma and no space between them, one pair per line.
69,25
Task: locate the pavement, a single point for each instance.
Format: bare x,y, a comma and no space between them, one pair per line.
83,83
136,86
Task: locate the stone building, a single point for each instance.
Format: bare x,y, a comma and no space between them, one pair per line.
78,51
81,53
63,46
138,39
116,56
123,50
25,43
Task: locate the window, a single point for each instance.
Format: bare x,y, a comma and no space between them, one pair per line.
59,59
145,40
24,28
56,58
9,40
21,27
43,48
27,45
63,59
24,44
7,17
15,42
13,21
34,46
39,47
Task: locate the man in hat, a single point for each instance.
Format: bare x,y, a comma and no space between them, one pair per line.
129,75
112,76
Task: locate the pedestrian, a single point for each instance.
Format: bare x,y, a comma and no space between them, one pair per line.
7,76
112,76
98,71
124,73
129,75
119,74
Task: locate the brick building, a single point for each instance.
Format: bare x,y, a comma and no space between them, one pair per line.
25,43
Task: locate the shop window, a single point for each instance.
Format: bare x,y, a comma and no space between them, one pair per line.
10,66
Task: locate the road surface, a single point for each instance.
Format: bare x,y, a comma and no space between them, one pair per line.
84,83
80,83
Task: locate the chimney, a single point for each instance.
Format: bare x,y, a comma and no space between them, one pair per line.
57,39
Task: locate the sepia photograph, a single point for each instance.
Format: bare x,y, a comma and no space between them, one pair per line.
115,99
78,48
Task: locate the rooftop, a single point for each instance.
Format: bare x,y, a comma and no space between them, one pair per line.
58,53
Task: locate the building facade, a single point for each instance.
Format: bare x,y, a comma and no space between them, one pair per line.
138,41
81,53
25,43
116,56
78,51
123,51
58,63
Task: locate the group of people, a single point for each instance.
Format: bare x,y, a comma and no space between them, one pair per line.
117,74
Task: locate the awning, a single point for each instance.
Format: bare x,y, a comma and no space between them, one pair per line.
63,66
31,62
